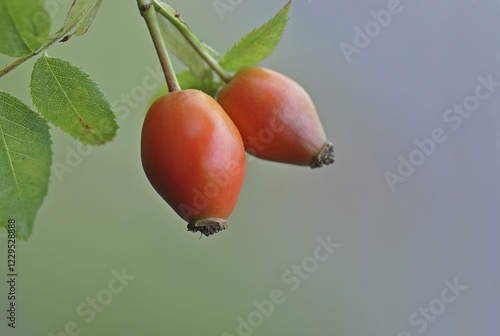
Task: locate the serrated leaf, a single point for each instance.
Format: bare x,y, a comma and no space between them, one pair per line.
81,15
67,97
256,45
179,47
25,159
24,27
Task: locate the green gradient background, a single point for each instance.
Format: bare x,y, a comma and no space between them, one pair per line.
396,248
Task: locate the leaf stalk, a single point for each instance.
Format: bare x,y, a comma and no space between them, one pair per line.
193,40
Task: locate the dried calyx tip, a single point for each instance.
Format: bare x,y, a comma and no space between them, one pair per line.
207,226
325,156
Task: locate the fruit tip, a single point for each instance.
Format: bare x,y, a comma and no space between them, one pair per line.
207,226
325,156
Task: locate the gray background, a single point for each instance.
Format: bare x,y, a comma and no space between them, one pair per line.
397,248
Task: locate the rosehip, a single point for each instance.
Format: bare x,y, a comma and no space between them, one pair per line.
276,118
193,155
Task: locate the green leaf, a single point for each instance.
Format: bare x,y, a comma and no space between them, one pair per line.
211,51
67,97
189,80
24,27
177,41
257,45
81,15
178,45
25,159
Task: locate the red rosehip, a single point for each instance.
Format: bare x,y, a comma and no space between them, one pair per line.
276,118
193,155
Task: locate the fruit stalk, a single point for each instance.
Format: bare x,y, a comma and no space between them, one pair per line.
148,13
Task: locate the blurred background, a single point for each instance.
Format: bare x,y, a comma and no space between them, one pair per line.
414,229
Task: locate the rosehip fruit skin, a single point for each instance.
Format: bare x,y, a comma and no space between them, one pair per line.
276,118
193,155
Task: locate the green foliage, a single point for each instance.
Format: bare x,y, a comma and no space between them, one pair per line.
180,41
67,97
24,27
205,83
81,15
178,46
25,159
189,80
63,94
257,45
